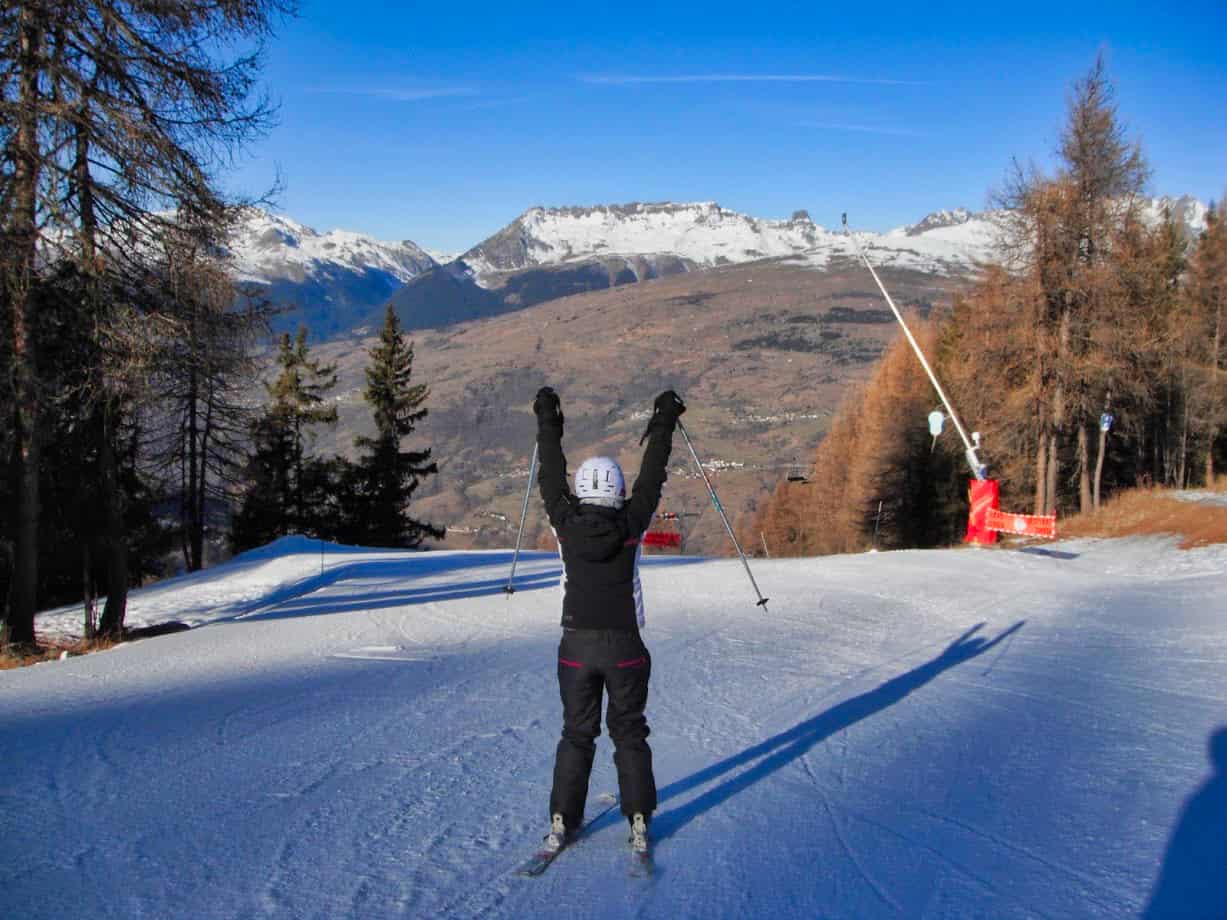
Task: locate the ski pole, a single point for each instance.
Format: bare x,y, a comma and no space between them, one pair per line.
528,491
715,500
973,461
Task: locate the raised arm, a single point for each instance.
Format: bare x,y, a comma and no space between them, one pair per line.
653,469
552,471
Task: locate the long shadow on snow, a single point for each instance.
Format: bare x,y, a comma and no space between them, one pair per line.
1191,882
418,565
295,600
400,597
796,741
1049,553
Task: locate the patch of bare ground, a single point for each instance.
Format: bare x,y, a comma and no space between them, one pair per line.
1140,512
53,648
50,649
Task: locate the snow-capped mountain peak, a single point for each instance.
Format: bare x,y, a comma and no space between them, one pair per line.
700,232
938,219
265,247
1185,210
335,281
326,281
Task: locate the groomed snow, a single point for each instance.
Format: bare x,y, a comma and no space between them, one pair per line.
928,734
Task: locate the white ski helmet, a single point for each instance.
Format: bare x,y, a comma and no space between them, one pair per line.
599,480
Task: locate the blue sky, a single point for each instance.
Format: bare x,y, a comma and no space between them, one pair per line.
442,124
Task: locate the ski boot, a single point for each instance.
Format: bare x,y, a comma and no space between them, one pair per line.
558,837
639,834
641,854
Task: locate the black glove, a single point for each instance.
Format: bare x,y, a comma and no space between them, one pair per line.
547,406
665,412
669,406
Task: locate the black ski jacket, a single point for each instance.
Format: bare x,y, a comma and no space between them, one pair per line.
600,546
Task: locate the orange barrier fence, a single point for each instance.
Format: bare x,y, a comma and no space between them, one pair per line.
1033,525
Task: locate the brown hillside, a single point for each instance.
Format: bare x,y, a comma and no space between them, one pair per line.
762,353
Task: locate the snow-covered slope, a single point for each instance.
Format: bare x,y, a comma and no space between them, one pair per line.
936,734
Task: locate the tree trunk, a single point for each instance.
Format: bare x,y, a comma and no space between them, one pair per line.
1057,425
202,473
1214,392
1102,451
22,245
1171,460
87,591
112,498
117,539
1103,448
1084,470
1041,474
191,521
1050,476
1182,472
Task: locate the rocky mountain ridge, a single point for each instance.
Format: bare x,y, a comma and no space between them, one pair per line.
329,281
339,282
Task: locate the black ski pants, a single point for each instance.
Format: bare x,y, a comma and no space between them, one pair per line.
614,662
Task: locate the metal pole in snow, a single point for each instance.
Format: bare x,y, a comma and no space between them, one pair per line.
970,454
532,472
715,500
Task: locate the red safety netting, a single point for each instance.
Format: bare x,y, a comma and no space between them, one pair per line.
662,538
1032,525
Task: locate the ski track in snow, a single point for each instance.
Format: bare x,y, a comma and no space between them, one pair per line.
917,734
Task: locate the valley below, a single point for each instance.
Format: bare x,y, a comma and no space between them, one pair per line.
762,352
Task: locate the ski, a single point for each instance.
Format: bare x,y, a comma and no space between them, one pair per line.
541,860
641,865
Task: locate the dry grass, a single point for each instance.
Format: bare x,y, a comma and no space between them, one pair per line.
52,649
1153,511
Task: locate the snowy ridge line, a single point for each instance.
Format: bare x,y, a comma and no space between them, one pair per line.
265,247
707,235
646,239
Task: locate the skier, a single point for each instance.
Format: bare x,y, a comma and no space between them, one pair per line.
599,531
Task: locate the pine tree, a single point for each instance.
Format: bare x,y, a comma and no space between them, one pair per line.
1064,234
388,474
285,488
202,378
114,117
